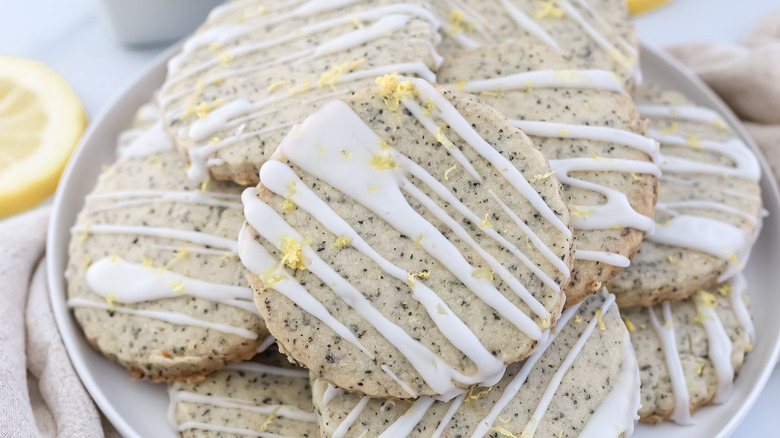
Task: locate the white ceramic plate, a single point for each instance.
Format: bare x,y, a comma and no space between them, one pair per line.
138,409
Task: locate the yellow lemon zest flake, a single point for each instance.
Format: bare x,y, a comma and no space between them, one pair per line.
621,58
226,58
410,280
447,172
147,262
546,323
669,323
304,87
725,290
440,309
486,222
111,300
460,85
85,234
275,86
695,141
155,159
392,91
203,186
458,22
214,47
635,176
549,9
87,261
541,176
181,253
700,369
483,274
577,319
269,278
578,211
418,241
342,241
114,259
708,299
749,348
262,10
177,286
500,93
429,107
721,125
629,325
288,206
505,421
442,139
373,188
505,433
269,419
356,22
672,259
292,253
384,161
330,77
347,155
215,140
670,130
601,321
476,396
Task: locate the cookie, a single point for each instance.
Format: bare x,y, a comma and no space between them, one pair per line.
689,351
709,205
583,381
254,70
589,34
153,277
398,246
586,125
266,396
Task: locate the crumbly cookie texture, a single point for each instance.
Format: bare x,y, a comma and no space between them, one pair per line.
588,34
254,70
391,193
559,108
707,336
584,384
266,395
709,205
140,277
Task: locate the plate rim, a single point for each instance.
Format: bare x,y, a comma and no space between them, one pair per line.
56,262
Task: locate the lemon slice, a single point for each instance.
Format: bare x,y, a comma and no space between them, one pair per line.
41,121
640,6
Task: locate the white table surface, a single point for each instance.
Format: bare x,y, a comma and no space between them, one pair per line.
70,36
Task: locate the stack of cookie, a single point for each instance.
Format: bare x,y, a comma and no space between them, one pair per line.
440,194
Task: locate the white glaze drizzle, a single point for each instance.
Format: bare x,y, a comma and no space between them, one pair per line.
666,335
738,289
593,79
330,393
617,413
557,378
128,198
685,112
405,424
344,426
149,142
704,204
130,283
281,411
529,25
719,349
172,317
227,429
164,233
605,257
269,340
454,406
703,234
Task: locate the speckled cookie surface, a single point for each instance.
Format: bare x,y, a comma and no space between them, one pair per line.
585,384
266,395
589,34
579,120
256,68
709,205
398,247
153,277
706,338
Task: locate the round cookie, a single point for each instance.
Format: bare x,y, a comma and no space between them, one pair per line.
154,278
582,382
589,34
266,396
397,246
586,125
253,70
690,351
709,205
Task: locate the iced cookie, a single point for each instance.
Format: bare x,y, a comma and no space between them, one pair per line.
689,351
586,125
402,244
709,206
589,34
154,278
266,396
583,381
256,68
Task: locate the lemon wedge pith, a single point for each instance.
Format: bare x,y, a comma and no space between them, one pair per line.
41,121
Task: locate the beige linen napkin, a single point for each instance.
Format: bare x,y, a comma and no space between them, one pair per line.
40,393
747,78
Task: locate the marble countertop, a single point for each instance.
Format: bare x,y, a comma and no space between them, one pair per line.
72,38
